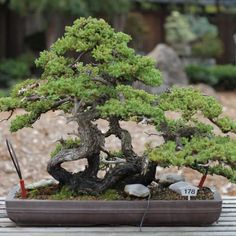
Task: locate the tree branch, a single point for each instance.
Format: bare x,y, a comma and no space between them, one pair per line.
124,136
101,80
12,111
78,58
116,161
31,86
153,134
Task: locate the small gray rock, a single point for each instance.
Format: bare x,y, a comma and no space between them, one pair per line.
180,185
41,183
153,185
137,190
170,178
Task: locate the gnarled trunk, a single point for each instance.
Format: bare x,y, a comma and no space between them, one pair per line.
91,140
92,143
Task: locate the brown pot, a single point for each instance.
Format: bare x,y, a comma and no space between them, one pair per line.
91,213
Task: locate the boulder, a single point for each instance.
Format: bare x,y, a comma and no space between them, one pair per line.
170,178
170,66
137,190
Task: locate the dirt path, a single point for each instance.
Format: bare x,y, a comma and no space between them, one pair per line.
33,147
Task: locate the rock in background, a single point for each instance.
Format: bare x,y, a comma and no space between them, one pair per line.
170,66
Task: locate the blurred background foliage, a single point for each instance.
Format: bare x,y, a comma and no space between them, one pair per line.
218,76
198,33
193,35
71,7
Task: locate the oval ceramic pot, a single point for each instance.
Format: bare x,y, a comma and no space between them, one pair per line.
91,213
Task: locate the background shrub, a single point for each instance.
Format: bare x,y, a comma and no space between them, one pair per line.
13,70
219,76
208,46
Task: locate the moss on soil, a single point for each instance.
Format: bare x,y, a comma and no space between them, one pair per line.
54,192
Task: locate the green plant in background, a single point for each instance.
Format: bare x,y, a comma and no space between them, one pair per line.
4,92
178,29
54,11
73,7
13,70
219,76
200,26
195,32
200,74
208,46
207,43
97,83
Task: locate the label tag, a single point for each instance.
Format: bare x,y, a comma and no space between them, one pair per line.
189,191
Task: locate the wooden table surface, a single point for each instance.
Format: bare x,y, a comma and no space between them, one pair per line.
225,227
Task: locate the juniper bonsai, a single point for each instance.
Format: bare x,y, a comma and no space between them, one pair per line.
88,74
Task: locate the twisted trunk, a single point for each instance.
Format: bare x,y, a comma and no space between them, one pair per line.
92,143
91,140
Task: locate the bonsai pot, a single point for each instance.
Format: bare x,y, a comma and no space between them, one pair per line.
90,213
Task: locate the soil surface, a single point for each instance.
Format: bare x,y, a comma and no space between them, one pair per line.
33,146
161,193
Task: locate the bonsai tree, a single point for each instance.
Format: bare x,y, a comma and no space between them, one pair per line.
88,74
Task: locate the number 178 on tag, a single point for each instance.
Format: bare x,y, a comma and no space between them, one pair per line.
189,192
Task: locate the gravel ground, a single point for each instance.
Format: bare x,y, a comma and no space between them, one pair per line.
33,147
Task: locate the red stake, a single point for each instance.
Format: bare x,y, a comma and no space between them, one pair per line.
17,167
23,190
200,185
202,181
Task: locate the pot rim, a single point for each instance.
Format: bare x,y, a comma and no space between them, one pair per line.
15,189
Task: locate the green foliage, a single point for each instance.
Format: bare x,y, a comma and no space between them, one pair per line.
71,7
200,26
13,70
32,194
226,124
65,144
226,75
110,194
221,151
4,92
203,36
178,30
113,63
119,154
200,74
23,86
208,46
22,121
64,193
133,103
7,104
219,76
173,127
207,42
189,101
